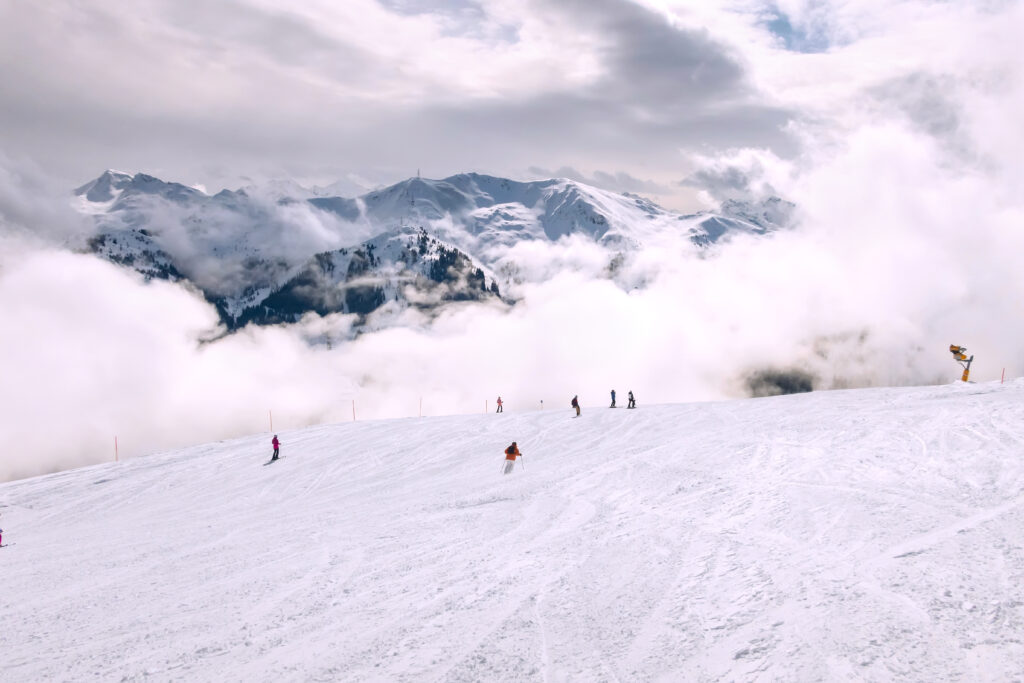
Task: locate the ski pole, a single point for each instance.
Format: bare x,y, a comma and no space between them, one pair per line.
522,461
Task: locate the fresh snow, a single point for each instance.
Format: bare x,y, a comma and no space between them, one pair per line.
869,535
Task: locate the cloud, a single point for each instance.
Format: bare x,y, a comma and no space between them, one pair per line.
96,353
646,59
245,243
898,255
615,182
34,205
743,174
458,18
216,92
904,167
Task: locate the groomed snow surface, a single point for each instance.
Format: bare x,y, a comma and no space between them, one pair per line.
871,535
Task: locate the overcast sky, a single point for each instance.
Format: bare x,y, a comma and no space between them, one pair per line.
622,93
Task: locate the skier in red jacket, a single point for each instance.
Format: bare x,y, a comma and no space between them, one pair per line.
510,457
277,447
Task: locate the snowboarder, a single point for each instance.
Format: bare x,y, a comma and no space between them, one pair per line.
576,404
499,410
632,401
613,398
277,447
510,457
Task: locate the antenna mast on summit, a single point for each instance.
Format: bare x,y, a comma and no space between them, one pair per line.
412,199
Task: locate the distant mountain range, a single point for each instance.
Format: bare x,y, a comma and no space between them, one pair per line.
269,255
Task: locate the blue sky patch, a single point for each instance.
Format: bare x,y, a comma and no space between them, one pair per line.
796,39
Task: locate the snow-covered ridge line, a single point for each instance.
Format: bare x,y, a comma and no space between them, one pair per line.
241,247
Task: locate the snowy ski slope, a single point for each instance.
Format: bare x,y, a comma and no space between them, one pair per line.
868,535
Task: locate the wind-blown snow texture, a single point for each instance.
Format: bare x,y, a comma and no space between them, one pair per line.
871,535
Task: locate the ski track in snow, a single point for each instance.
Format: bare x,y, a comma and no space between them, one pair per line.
869,535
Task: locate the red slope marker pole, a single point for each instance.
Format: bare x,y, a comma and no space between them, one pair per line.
353,410
1004,376
116,458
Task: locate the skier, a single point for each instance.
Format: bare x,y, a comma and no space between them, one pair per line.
1,538
499,410
632,401
613,398
576,404
510,457
277,447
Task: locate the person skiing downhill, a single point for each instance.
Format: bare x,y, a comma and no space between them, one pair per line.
613,399
277,447
500,409
510,457
576,404
1,537
632,401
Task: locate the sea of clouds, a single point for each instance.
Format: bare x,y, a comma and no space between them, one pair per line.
908,237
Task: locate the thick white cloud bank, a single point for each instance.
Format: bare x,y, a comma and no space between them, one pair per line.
92,353
909,238
897,256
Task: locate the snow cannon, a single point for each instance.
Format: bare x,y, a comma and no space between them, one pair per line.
960,356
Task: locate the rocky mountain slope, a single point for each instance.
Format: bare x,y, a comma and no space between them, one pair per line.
270,255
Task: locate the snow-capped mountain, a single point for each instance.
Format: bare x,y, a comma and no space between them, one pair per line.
489,211
405,264
268,254
736,216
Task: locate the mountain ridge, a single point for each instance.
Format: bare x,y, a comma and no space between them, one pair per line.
241,247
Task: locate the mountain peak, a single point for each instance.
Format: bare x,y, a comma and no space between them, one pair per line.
240,249
104,188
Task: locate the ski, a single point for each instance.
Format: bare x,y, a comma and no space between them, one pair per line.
272,461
